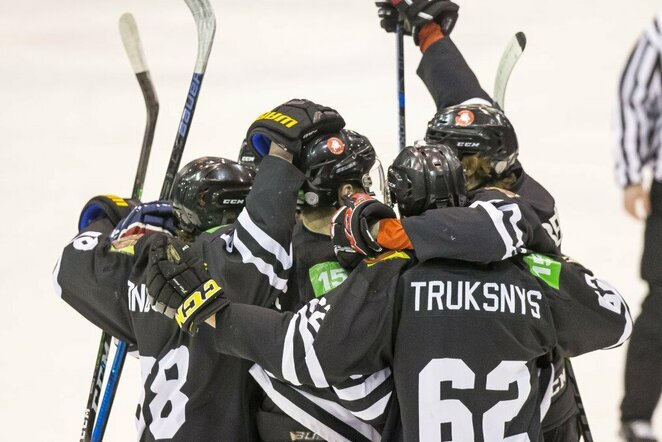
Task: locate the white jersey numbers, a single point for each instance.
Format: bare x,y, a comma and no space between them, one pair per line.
434,412
168,406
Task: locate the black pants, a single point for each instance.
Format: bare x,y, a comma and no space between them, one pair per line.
643,366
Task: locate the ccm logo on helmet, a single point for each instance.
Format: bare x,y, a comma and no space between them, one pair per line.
279,118
467,144
233,201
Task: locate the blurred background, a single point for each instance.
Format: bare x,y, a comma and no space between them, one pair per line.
72,119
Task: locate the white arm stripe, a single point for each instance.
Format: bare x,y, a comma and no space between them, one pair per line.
293,410
288,367
360,391
264,268
265,240
313,364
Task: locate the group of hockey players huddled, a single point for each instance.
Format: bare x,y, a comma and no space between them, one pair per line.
276,299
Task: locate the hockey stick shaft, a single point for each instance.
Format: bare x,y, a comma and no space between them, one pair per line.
400,49
95,388
109,394
507,63
584,428
133,47
206,24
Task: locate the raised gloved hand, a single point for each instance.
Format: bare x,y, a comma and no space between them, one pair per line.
291,125
388,16
156,216
351,227
105,206
179,285
417,13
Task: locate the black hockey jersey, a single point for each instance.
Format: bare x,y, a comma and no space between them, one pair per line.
190,391
469,345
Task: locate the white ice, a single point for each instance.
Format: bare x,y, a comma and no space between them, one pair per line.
72,117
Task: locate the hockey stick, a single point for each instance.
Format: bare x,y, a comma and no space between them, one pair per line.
133,47
402,131
205,21
131,40
584,428
506,65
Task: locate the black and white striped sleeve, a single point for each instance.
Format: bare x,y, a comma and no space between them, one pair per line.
637,111
493,228
253,261
354,411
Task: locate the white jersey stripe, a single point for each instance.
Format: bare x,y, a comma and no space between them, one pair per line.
268,243
264,268
292,410
362,390
313,364
288,366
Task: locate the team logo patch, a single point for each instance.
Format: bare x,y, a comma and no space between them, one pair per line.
464,118
335,145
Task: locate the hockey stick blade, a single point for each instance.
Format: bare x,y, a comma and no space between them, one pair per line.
133,46
205,21
507,63
134,51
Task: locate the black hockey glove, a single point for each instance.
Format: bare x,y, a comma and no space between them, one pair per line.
388,16
291,125
417,13
179,285
351,227
105,206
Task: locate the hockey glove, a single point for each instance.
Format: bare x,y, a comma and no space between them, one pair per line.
105,206
353,221
291,125
156,216
388,16
417,13
179,285
347,257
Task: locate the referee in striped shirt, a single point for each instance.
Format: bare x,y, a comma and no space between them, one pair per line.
639,132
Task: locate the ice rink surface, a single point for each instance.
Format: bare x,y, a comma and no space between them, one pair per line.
72,120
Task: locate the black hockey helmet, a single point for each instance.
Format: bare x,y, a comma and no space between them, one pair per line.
210,192
476,129
331,160
425,177
248,156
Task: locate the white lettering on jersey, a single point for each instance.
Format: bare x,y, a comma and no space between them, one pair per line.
494,297
553,228
86,241
137,297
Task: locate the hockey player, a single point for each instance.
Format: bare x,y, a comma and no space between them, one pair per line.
468,121
190,391
395,312
334,165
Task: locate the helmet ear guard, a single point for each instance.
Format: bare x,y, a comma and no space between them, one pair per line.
424,177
